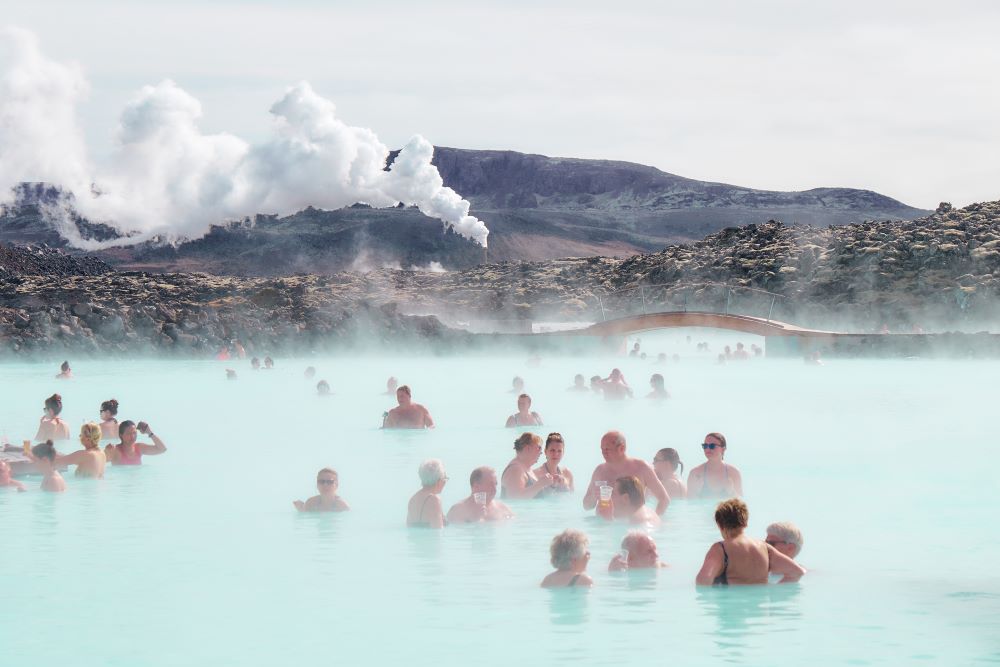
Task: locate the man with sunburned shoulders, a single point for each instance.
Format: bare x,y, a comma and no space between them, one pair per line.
407,414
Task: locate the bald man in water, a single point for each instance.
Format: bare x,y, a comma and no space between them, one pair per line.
618,464
407,414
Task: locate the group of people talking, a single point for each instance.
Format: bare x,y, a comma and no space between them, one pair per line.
617,491
90,461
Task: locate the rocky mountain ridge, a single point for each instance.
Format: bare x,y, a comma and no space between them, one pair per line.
537,208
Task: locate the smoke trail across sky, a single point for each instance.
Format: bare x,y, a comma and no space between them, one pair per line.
166,178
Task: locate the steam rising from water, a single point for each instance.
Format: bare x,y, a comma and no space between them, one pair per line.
166,178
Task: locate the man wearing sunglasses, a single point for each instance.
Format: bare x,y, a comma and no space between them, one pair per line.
786,537
618,464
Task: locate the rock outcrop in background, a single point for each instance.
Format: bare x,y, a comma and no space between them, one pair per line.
941,272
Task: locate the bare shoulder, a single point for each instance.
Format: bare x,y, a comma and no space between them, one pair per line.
584,580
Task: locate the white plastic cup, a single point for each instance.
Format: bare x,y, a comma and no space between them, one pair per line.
605,493
479,497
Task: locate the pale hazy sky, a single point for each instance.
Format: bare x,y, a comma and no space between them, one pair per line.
898,97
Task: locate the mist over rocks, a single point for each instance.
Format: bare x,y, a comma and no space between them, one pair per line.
940,272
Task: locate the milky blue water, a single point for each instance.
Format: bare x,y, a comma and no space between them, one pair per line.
198,556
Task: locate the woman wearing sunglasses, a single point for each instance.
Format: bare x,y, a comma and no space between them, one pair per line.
327,482
714,478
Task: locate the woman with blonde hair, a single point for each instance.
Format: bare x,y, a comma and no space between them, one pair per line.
91,460
739,559
518,479
569,555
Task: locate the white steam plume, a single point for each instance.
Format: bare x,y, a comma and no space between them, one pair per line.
168,179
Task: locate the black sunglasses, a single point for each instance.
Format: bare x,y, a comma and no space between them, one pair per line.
711,445
326,482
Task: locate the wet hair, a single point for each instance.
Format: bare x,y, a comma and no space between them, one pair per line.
788,532
633,488
329,471
554,437
524,396
64,367
670,454
656,380
431,472
110,405
732,516
255,362
54,403
124,425
578,376
91,432
526,439
405,388
268,361
566,547
478,474
595,378
517,378
321,385
46,450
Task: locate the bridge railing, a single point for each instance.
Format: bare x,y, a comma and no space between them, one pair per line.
711,297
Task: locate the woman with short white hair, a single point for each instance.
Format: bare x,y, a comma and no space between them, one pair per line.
569,555
424,509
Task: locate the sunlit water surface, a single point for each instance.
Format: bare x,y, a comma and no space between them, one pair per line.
198,556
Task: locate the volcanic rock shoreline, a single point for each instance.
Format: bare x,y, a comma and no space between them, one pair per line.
941,272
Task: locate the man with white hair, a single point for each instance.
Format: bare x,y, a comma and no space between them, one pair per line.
638,553
786,537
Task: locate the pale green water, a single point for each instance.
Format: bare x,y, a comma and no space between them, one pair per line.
198,556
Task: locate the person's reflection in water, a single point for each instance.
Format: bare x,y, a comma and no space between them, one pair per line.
740,612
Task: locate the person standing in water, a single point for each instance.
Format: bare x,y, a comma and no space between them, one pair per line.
738,559
524,416
554,449
569,554
615,387
327,483
518,479
628,503
618,464
517,385
579,384
714,478
109,419
659,392
128,452
52,426
90,460
6,481
391,385
65,372
408,414
424,509
481,505
638,552
44,456
665,465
